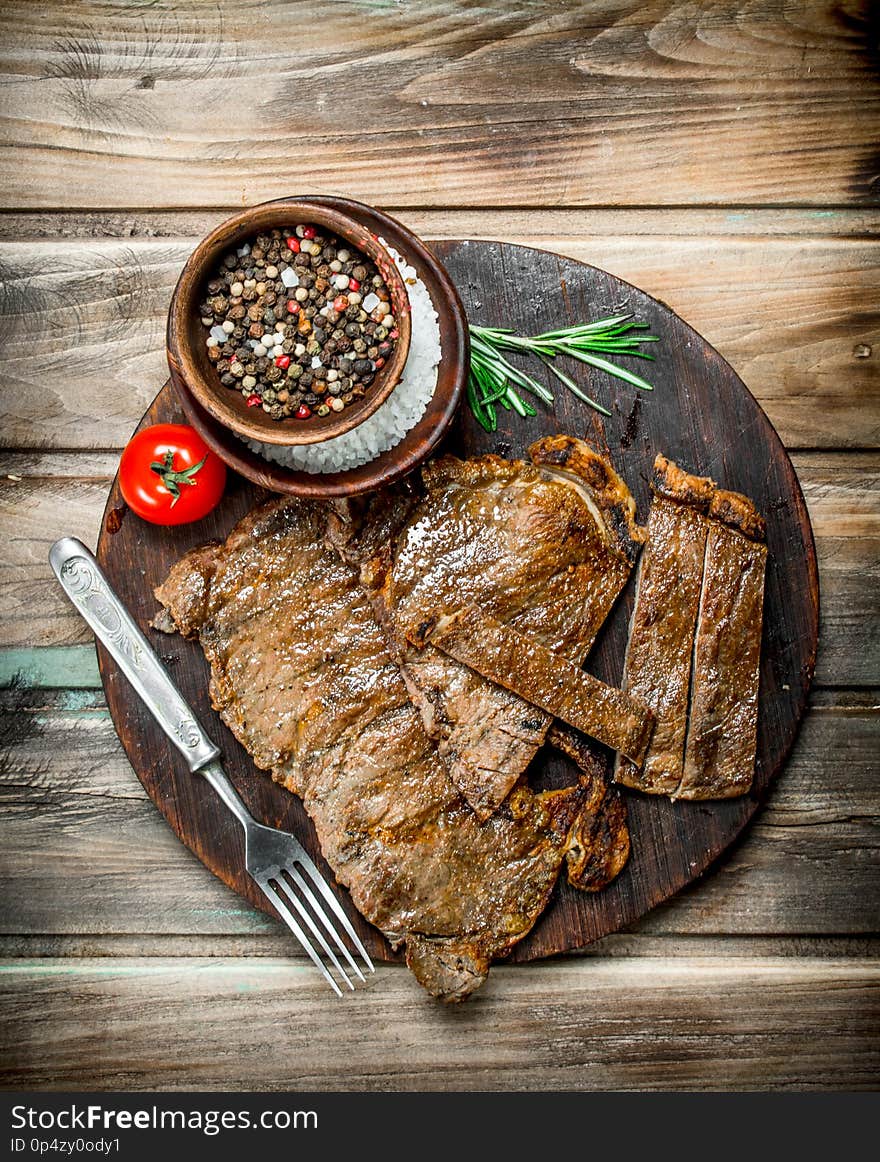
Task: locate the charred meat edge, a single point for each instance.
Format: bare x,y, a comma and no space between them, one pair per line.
591,474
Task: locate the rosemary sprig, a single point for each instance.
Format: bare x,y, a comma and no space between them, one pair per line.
494,380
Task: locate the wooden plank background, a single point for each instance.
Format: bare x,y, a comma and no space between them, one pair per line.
722,157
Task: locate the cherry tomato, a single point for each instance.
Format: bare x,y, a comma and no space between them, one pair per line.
169,476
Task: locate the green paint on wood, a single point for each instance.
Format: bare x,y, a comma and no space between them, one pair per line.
53,667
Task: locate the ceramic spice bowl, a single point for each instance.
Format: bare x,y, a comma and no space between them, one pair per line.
428,432
189,340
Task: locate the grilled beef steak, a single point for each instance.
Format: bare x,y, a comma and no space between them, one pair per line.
719,759
658,659
695,638
519,663
301,674
544,546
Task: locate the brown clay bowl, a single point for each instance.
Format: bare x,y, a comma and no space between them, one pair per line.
187,354
418,443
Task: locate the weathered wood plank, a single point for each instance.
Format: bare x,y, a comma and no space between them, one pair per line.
451,103
854,222
652,1024
278,942
809,864
56,495
55,667
84,319
843,498
35,512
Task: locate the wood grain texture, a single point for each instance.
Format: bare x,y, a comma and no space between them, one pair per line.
810,863
651,1024
793,311
861,223
442,103
277,943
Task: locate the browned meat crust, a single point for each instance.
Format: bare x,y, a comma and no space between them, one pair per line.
673,483
572,459
658,660
544,679
546,547
301,674
599,845
737,511
719,758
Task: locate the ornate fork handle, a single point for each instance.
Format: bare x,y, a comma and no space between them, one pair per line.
85,584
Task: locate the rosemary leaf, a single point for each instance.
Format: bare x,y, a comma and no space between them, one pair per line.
573,387
611,368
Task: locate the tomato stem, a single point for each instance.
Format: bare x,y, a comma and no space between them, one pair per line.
173,479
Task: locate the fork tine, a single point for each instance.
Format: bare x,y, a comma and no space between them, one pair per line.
290,921
324,888
322,916
282,886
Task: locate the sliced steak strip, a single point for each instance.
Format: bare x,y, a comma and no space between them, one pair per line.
719,760
301,674
546,547
546,680
659,654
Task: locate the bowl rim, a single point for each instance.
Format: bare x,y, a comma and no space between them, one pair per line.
179,352
422,440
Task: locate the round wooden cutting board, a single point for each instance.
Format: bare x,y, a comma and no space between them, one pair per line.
700,414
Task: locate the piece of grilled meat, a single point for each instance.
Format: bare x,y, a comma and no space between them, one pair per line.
511,659
661,639
301,673
544,546
719,760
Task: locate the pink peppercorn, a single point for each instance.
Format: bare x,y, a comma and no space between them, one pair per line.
303,412
393,334
292,307
254,400
340,303
293,244
283,361
309,232
353,284
379,363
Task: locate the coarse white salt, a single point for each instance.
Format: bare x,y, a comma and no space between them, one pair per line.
399,414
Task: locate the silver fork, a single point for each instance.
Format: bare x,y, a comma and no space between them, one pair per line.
276,860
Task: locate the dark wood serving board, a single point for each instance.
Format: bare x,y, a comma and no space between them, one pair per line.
700,414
